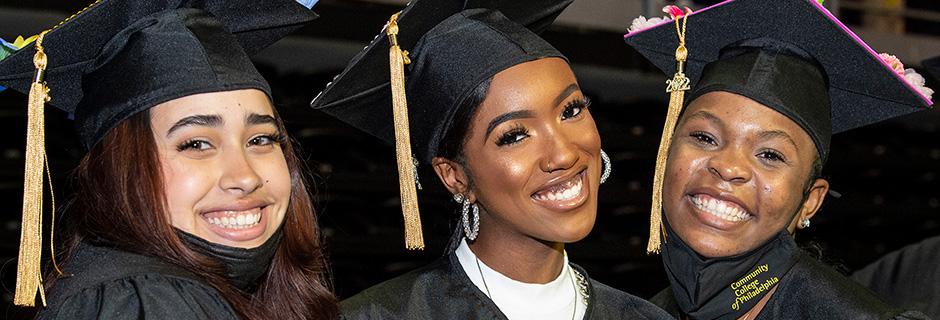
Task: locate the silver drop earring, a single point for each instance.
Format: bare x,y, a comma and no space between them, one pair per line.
605,162
470,231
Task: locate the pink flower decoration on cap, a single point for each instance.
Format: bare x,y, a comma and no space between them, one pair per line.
676,12
893,62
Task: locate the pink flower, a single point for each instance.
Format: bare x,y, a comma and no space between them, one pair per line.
674,11
893,62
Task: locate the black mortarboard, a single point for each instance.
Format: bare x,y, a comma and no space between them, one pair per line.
454,46
119,57
793,56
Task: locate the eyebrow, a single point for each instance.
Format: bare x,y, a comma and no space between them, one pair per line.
770,134
567,92
705,115
207,120
256,119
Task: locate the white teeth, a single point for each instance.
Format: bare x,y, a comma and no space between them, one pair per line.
722,209
570,190
239,221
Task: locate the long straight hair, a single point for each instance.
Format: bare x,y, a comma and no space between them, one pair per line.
120,200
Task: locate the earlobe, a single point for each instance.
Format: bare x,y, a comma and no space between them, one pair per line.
451,174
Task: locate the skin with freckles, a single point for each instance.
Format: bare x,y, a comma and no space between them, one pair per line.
532,165
221,158
732,150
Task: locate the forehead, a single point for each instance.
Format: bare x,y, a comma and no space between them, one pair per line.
225,103
527,85
739,114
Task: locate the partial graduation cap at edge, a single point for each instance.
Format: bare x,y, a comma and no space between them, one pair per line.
117,58
793,56
453,46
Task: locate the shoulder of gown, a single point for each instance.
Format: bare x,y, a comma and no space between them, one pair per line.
610,303
107,283
813,290
907,277
436,291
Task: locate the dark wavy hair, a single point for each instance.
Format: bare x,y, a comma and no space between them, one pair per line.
121,177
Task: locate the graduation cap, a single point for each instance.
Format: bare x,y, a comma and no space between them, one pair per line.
116,58
451,47
792,56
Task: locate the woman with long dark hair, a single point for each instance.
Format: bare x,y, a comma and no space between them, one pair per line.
191,201
769,82
499,115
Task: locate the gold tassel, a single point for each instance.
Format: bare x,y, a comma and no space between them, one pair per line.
28,273
676,87
414,238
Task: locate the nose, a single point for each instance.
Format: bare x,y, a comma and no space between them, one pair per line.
239,176
561,153
730,165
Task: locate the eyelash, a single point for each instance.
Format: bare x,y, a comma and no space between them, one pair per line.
202,145
702,137
276,138
771,155
581,104
514,135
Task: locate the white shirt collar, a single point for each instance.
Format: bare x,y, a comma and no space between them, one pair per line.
520,300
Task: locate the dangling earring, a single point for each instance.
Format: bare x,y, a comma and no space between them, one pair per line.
605,161
470,231
804,224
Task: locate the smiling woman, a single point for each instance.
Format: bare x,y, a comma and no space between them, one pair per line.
191,202
498,114
774,79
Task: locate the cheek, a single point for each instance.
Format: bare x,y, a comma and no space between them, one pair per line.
185,183
276,174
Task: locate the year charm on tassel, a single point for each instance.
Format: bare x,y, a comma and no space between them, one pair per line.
676,87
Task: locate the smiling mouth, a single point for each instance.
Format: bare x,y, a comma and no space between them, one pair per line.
564,195
724,210
235,220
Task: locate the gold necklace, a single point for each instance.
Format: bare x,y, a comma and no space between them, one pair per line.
578,283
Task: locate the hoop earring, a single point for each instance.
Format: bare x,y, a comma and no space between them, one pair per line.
605,162
470,231
804,224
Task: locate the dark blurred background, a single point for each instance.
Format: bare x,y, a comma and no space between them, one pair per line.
888,174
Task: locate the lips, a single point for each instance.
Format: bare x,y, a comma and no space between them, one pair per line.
563,195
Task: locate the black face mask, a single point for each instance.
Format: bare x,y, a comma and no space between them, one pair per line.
243,267
726,287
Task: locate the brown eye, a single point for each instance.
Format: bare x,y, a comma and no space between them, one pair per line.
574,108
512,136
195,144
772,156
703,138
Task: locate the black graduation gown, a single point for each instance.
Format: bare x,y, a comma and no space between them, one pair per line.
812,290
107,283
909,278
442,290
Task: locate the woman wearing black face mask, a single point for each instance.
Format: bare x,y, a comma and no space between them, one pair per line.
742,171
190,203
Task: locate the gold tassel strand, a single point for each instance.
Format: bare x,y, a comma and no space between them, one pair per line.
414,238
676,87
28,273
